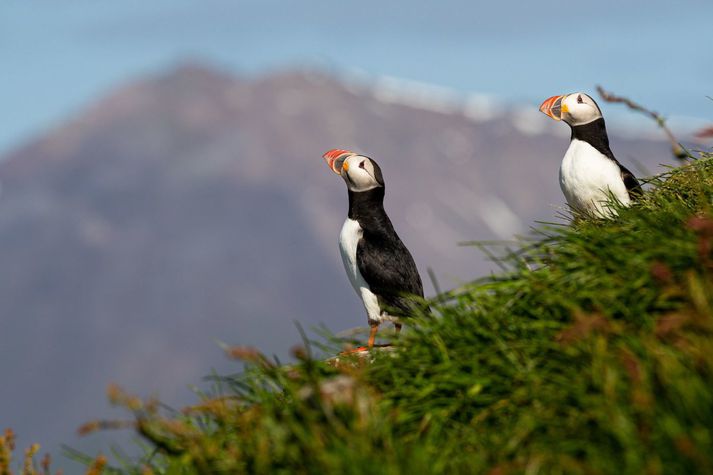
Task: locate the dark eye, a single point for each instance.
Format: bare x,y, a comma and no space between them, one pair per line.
361,165
579,99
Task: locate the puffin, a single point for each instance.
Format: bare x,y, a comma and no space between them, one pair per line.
378,264
590,174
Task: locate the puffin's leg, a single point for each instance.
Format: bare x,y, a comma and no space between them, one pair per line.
372,334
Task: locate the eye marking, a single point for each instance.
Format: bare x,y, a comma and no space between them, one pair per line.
361,165
579,99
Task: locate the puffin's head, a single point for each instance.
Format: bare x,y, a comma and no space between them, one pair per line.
575,109
359,172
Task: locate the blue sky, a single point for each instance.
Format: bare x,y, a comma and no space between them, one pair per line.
58,56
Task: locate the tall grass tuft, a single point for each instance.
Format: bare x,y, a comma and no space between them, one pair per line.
28,465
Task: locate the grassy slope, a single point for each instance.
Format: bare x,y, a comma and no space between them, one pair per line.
592,353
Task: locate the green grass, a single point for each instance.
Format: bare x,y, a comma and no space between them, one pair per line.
591,353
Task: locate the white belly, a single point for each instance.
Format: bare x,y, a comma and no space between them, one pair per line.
588,179
348,241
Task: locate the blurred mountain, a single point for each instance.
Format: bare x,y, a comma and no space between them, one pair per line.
194,207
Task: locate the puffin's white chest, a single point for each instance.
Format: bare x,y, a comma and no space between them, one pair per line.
348,241
587,178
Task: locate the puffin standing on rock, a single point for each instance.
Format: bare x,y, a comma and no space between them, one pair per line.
589,174
380,268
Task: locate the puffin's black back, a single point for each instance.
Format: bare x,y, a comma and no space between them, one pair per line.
595,134
383,259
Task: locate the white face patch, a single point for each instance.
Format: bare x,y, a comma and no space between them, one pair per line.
579,109
358,171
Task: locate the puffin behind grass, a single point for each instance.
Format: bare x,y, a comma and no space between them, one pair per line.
589,174
380,268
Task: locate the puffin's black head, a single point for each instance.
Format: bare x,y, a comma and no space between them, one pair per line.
574,109
359,172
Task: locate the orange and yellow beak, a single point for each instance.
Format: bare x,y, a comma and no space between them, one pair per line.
553,107
335,159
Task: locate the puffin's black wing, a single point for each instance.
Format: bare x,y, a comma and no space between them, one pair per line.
632,184
389,269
